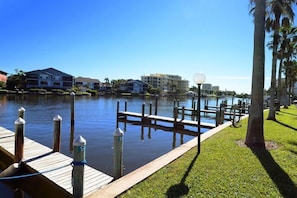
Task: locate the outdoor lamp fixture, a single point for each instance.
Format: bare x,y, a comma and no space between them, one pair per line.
199,79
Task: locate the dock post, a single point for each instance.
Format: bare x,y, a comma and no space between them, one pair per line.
206,104
118,153
175,116
19,139
217,117
72,95
150,112
156,104
21,112
183,112
217,103
57,133
142,111
126,105
117,118
79,161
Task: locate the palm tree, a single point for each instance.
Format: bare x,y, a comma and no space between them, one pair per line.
255,134
284,53
288,36
276,8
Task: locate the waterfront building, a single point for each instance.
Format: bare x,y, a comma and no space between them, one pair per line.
207,86
216,88
166,82
89,83
3,76
49,78
134,86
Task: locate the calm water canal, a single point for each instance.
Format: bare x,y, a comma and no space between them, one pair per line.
95,120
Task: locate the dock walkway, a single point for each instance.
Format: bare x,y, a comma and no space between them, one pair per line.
124,114
41,159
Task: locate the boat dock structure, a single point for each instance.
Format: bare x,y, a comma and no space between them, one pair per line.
178,121
55,169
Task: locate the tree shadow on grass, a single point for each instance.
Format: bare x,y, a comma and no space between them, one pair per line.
294,143
280,178
180,189
289,113
286,125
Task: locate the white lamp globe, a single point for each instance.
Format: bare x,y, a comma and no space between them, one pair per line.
199,78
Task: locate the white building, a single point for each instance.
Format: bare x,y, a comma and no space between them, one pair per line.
207,86
166,82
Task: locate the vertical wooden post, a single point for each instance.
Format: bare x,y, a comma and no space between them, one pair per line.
183,112
79,161
72,95
117,118
126,105
150,112
178,102
142,111
156,104
57,133
217,117
21,113
175,115
206,104
194,109
19,139
118,153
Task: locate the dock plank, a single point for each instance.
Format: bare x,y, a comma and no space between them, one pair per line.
54,166
167,119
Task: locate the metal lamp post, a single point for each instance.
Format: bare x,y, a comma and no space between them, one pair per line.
199,79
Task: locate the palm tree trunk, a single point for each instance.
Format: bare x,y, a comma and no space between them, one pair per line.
279,84
271,115
255,134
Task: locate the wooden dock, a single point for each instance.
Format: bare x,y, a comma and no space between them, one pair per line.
227,112
122,115
55,167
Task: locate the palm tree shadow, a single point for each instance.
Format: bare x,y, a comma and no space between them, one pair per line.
180,189
289,113
288,126
280,178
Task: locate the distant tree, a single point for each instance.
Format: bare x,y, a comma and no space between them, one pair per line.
16,81
2,84
255,132
106,80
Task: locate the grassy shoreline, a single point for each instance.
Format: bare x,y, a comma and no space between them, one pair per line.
226,168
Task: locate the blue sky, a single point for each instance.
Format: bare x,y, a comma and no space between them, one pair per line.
122,39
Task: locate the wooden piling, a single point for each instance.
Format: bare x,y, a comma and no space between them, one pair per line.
19,139
117,117
72,95
118,153
156,104
57,133
126,105
183,112
79,160
206,104
21,112
142,110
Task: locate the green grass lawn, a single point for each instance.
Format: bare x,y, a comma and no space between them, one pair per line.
226,168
